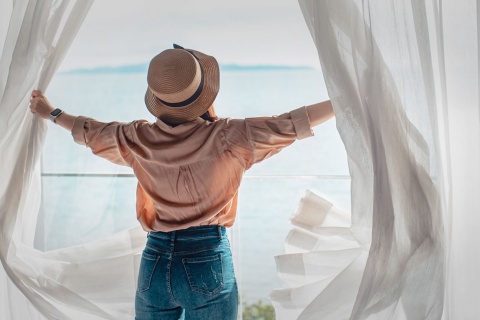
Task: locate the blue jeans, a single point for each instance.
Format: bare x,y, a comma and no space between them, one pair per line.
187,274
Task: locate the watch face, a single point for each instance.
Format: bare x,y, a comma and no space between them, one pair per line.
56,112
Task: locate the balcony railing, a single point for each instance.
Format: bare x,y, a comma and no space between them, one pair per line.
246,176
266,202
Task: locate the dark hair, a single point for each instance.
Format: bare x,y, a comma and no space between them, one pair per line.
210,114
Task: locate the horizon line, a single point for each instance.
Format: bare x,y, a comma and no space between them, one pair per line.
143,68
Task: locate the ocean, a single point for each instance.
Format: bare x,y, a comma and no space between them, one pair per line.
79,207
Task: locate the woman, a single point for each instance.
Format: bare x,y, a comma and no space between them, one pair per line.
189,166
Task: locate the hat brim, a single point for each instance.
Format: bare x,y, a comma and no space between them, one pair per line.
199,106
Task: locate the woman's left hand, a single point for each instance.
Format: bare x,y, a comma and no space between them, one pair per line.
40,105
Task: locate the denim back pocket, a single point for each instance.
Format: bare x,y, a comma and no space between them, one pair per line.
147,268
204,274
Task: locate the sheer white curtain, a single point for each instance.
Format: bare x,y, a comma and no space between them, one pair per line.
92,281
404,80
403,77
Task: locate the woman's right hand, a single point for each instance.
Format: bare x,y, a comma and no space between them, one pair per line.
40,105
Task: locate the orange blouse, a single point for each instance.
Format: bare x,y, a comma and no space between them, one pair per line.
189,175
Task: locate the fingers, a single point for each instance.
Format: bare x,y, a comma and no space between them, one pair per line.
36,93
40,105
32,105
34,101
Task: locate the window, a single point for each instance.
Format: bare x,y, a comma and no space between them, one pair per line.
83,192
86,197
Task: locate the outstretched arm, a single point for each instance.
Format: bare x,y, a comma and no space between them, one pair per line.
112,140
320,112
40,105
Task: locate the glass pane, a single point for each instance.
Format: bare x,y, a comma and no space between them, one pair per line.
79,209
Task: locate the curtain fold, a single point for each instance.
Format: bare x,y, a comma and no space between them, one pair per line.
95,280
403,78
322,265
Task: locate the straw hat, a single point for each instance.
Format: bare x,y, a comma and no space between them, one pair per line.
182,84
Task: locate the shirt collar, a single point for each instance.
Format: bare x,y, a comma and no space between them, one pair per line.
186,125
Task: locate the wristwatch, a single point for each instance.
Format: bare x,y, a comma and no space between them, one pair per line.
55,113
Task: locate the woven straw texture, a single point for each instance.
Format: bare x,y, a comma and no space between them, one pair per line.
171,72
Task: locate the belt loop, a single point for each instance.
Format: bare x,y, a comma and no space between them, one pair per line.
219,233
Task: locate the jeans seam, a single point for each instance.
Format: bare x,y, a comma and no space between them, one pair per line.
169,268
200,250
169,282
156,249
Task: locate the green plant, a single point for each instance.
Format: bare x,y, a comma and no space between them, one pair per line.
258,311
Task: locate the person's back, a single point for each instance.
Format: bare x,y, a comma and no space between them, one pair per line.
189,174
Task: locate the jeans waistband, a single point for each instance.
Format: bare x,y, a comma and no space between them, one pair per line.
192,232
193,238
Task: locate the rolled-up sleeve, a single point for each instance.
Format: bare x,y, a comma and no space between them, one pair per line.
112,140
301,122
266,136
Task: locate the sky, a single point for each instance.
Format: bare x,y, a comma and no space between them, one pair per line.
247,32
